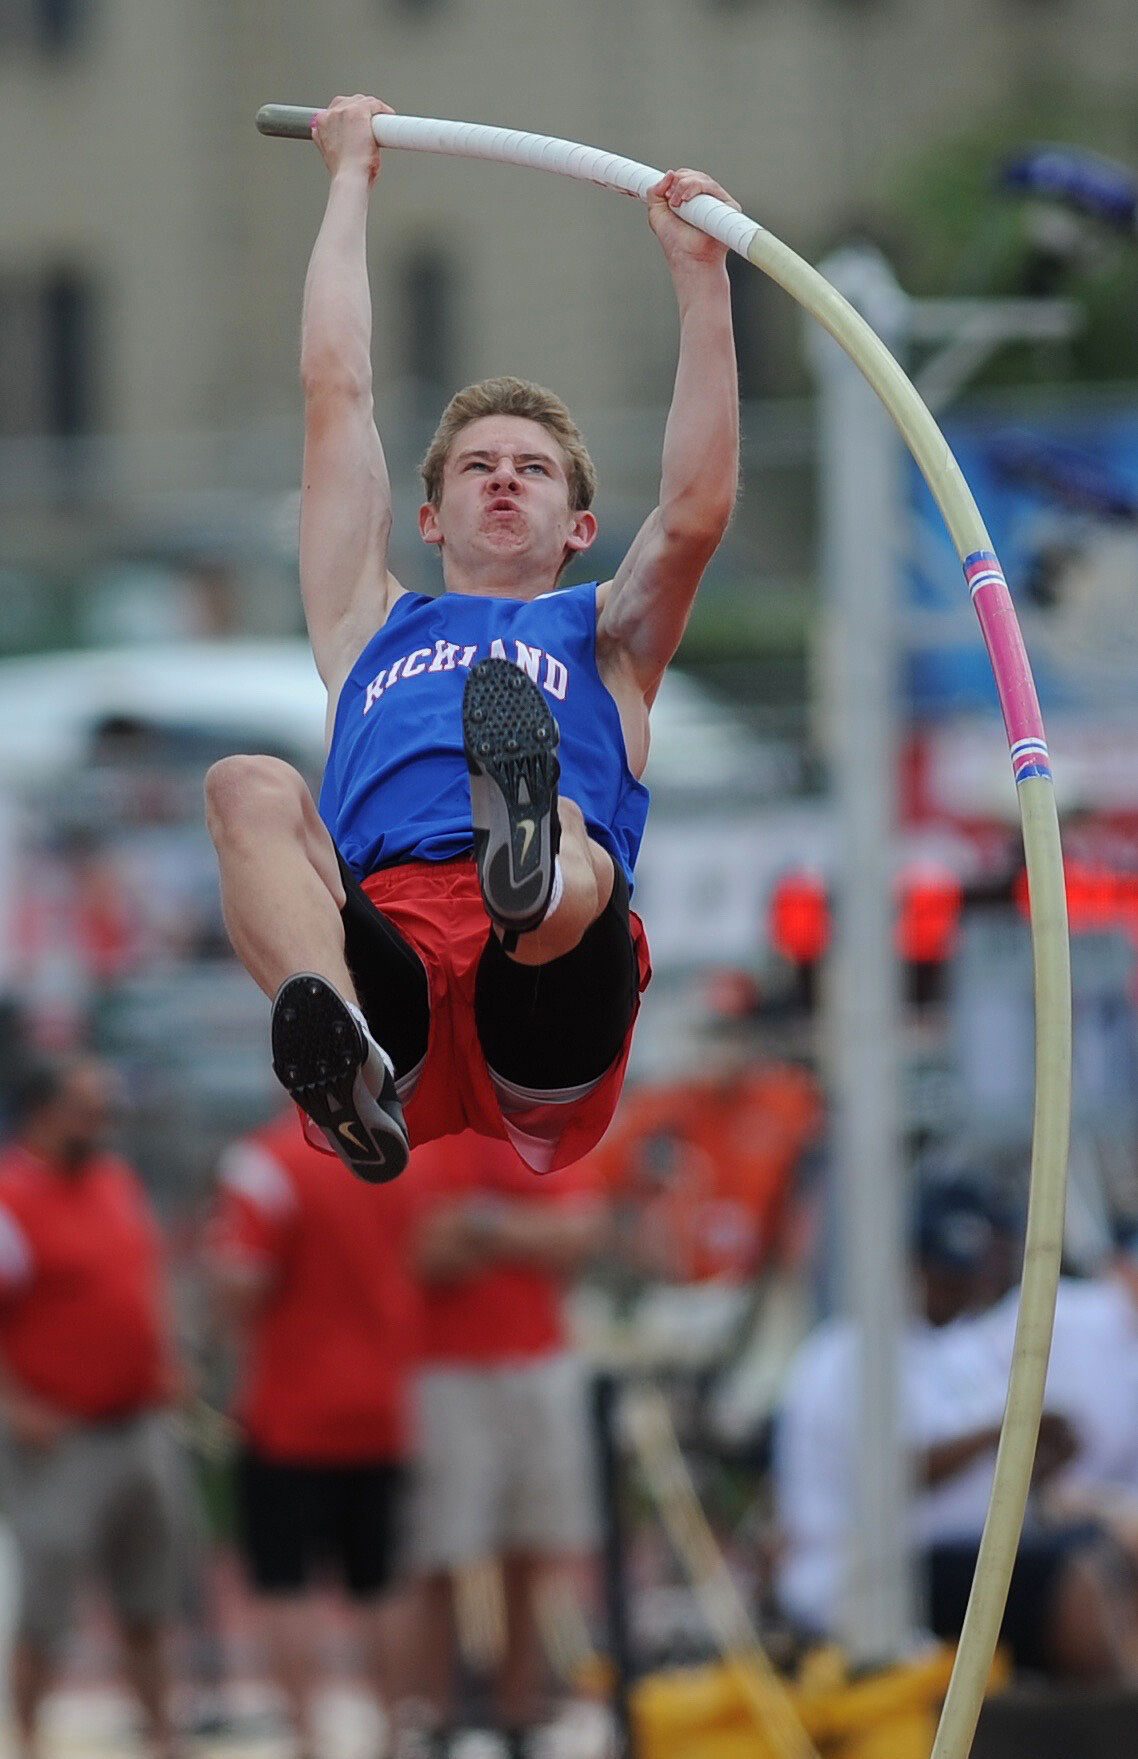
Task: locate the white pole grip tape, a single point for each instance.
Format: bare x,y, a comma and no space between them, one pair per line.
512,146
544,152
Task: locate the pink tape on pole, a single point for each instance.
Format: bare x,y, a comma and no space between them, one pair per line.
1014,682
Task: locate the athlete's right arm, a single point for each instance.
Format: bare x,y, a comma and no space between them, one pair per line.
345,502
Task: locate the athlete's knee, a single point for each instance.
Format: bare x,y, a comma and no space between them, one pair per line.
247,793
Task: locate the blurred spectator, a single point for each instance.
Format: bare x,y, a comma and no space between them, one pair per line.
89,1471
1069,1611
1092,1381
308,1266
703,1171
505,1466
14,1053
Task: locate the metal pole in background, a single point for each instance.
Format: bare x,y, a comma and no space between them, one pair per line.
605,1400
860,513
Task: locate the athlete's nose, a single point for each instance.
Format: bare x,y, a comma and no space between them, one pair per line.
504,475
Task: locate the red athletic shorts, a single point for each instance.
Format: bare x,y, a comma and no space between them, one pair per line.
438,908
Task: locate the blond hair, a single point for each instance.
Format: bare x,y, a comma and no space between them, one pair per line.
509,396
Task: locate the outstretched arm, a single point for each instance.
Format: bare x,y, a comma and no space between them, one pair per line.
463,1239
643,610
345,503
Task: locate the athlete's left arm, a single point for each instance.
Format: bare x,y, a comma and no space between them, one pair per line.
643,610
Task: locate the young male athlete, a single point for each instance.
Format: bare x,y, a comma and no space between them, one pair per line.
450,933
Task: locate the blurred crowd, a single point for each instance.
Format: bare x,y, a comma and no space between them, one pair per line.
403,1407
224,1360
393,1373
1072,1610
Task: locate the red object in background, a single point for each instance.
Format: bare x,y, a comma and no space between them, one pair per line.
505,1310
1094,896
930,900
323,1374
928,919
799,920
1099,898
82,1317
709,1165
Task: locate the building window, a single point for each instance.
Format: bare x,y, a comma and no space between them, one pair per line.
46,354
750,317
51,26
429,303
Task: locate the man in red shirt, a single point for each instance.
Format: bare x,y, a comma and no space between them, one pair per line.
308,1263
88,1469
504,1467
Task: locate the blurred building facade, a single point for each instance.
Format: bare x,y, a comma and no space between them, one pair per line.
154,245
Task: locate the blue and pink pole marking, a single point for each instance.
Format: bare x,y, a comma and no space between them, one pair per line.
1015,686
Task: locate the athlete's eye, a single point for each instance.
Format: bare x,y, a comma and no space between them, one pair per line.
534,465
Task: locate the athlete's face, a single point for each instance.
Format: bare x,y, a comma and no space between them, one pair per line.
504,517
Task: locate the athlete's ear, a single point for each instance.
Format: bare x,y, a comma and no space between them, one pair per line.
582,531
429,524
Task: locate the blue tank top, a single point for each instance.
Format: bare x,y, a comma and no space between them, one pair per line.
395,785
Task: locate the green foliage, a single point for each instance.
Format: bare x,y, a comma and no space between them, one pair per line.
953,231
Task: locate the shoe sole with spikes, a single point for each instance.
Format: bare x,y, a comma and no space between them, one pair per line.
511,741
341,1080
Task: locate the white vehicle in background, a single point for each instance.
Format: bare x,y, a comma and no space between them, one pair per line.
712,847
53,706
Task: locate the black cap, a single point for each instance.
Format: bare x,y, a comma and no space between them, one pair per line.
954,1225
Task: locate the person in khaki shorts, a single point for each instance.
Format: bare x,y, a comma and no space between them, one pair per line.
89,1473
503,1468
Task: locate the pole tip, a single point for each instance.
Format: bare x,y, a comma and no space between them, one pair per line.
286,121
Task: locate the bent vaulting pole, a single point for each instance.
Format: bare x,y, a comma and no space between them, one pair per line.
1031,768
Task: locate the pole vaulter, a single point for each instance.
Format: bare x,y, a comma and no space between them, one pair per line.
1031,768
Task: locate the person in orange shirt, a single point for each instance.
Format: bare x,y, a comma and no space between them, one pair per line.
308,1265
705,1168
504,1467
88,1465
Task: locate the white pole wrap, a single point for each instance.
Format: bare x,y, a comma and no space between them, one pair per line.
542,152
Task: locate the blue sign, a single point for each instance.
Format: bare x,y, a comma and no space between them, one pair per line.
1059,496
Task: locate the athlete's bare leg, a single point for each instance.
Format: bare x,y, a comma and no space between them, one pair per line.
281,892
281,896
587,880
